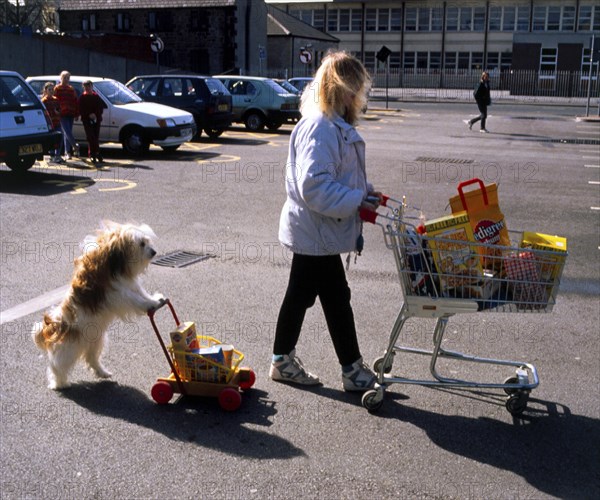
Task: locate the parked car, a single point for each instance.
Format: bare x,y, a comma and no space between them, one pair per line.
26,131
129,120
300,82
260,102
203,96
287,86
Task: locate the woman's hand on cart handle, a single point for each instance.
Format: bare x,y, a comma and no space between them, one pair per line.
367,214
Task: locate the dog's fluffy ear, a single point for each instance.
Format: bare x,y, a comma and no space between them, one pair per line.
146,230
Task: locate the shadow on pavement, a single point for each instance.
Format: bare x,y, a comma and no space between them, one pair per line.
195,420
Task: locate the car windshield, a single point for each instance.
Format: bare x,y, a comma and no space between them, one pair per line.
276,87
15,95
216,87
116,92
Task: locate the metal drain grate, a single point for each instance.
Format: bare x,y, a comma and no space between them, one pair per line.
428,159
180,258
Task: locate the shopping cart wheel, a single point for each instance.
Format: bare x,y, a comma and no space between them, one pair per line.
162,392
511,380
247,377
379,362
230,399
517,402
372,400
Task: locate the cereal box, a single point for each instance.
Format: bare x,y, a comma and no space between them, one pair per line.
184,337
551,263
457,262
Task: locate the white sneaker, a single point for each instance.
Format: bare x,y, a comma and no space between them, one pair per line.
360,379
292,370
484,131
468,122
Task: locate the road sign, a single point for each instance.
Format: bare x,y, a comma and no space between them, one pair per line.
305,56
157,45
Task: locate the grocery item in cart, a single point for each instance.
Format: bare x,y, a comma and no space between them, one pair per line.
528,288
420,263
183,338
487,221
551,260
450,239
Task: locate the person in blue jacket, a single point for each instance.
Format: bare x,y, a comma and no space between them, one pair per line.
483,100
326,185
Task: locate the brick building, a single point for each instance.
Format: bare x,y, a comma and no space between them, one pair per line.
203,36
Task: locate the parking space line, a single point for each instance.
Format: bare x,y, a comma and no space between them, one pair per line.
36,304
592,166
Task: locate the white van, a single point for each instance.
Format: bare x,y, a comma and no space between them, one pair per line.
127,119
26,131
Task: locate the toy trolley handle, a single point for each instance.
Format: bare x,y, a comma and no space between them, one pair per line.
163,302
464,184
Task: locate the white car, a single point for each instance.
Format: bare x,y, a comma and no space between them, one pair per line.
127,119
26,131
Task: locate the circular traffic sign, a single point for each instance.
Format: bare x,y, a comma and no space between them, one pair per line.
305,56
157,45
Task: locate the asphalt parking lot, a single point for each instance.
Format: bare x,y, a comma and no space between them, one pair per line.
108,439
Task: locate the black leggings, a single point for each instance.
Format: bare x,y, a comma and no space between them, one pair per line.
482,116
323,277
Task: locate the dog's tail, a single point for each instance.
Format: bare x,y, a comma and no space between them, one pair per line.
47,332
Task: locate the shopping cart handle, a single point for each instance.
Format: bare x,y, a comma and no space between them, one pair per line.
384,200
368,215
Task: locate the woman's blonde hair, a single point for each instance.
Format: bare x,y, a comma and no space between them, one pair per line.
340,86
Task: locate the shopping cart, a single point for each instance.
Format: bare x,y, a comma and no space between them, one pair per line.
197,374
515,279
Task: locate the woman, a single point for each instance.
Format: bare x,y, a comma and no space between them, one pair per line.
53,108
483,100
326,185
69,110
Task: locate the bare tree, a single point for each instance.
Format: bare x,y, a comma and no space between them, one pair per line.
36,14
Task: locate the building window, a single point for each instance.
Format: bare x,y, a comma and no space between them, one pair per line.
466,19
548,60
452,19
344,20
356,17
568,19
88,22
450,60
409,60
505,60
477,60
589,18
318,19
123,23
410,19
553,23
508,19
463,60
585,65
159,21
479,19
539,18
396,20
394,60
422,60
384,20
371,20
435,60
332,20
495,21
522,19
493,61
424,17
437,18
370,61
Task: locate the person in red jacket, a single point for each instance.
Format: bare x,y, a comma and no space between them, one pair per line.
91,107
53,108
69,110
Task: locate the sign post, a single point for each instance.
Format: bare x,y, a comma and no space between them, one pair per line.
305,58
157,46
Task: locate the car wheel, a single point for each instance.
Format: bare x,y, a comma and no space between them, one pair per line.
213,133
134,142
274,125
254,121
21,164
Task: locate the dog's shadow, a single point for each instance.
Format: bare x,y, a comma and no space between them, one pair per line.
198,421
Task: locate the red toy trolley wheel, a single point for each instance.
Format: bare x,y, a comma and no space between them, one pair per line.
247,379
230,399
162,392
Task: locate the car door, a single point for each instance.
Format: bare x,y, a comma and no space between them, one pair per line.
244,94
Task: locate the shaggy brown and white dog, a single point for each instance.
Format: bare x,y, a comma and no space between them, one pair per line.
105,286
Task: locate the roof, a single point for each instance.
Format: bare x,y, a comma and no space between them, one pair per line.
92,5
280,23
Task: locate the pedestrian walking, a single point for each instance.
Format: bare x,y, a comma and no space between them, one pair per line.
91,107
326,185
53,107
69,110
483,100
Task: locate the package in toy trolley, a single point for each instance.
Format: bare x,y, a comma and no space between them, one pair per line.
457,262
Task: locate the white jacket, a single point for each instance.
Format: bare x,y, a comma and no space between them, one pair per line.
325,183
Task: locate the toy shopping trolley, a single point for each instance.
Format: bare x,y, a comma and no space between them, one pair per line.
441,277
200,366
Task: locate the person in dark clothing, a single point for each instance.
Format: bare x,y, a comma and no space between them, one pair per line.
91,107
483,99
